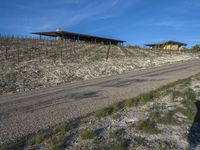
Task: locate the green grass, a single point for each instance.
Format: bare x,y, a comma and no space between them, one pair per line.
62,128
166,118
118,145
198,94
87,134
117,137
131,102
189,94
176,94
104,112
118,106
56,138
141,99
56,142
4,147
116,134
148,126
189,110
37,139
185,82
137,141
189,98
147,97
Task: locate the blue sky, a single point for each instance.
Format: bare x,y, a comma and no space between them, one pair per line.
136,21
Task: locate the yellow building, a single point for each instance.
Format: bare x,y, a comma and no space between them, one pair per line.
170,45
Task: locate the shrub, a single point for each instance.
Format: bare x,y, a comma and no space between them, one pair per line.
195,48
87,134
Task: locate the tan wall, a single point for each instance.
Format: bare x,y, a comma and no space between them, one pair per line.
171,47
167,47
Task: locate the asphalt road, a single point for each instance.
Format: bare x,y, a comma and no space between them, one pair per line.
28,112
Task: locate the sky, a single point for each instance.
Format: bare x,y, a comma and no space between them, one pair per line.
136,21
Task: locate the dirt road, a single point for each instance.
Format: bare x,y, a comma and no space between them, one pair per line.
24,113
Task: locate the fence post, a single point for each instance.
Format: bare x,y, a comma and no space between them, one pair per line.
18,55
107,56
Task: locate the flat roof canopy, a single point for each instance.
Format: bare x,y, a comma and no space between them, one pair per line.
81,37
167,43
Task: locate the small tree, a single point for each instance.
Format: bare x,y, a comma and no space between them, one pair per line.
196,48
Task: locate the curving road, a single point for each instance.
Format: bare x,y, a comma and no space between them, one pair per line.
24,113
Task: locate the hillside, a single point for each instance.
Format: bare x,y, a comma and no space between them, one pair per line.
27,64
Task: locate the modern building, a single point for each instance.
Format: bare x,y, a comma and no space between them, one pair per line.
170,45
77,37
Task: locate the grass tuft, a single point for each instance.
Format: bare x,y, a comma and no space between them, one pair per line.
62,128
166,119
115,134
87,134
176,94
104,112
148,126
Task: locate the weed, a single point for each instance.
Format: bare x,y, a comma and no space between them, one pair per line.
198,94
189,94
176,94
39,138
131,102
4,147
118,145
116,116
189,98
104,112
167,118
30,142
146,97
186,82
117,134
62,128
148,126
137,141
87,134
117,106
56,142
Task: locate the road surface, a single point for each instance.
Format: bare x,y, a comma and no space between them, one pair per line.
28,112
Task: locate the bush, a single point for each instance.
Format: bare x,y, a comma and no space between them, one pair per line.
195,48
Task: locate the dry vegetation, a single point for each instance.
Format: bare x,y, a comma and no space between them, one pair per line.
27,64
